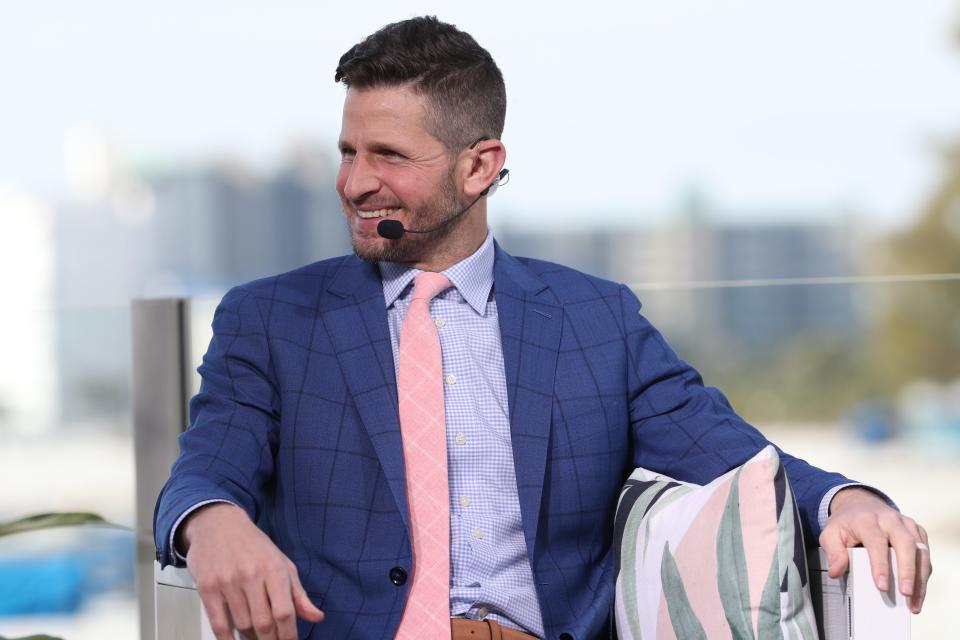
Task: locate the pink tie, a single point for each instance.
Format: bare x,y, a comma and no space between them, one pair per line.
423,430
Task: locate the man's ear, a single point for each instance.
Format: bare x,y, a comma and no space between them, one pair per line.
481,166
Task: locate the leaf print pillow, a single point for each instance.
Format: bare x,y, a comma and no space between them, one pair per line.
724,560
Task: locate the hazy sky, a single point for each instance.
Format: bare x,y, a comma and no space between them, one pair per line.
613,112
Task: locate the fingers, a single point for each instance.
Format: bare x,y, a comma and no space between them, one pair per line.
261,613
903,538
226,609
248,609
217,613
242,608
304,606
281,609
878,550
924,571
914,567
836,550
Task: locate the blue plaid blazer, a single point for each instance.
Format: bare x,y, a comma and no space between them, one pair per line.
296,421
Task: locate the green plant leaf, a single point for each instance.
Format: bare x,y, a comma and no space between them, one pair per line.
797,596
732,567
682,618
49,520
790,547
662,502
628,575
40,521
768,618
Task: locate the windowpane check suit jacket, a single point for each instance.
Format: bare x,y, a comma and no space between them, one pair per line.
297,422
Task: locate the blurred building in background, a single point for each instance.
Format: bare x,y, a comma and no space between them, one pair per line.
27,382
184,232
702,283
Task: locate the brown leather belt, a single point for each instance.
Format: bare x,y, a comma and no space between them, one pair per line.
466,629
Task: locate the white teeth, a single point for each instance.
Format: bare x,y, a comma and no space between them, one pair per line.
379,213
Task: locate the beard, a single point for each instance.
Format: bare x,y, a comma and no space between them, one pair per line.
412,247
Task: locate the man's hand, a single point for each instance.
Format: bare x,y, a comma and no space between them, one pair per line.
859,516
243,579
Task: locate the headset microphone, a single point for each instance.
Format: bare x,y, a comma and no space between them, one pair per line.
390,229
394,230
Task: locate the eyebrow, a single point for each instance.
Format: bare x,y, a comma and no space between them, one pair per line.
375,147
383,147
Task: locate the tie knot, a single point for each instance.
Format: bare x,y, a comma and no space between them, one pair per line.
428,284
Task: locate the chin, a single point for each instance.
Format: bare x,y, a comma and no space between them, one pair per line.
380,249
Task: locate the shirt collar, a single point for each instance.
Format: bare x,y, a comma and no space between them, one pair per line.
472,277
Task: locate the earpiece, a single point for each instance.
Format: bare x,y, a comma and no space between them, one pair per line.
502,179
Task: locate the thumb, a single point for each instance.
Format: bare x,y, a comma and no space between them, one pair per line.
836,551
301,602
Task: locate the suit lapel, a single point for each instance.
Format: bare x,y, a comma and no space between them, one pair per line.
530,329
355,316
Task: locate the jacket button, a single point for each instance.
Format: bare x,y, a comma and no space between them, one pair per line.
566,636
398,576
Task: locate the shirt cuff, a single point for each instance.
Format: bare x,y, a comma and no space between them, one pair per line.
824,511
175,557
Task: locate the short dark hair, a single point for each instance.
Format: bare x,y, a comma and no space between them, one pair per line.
465,96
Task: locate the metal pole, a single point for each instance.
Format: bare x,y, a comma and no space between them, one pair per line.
161,363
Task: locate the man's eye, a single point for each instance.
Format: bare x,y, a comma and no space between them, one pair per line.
346,155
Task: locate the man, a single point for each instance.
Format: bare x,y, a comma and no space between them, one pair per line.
300,483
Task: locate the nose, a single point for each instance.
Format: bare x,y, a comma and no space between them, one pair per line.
358,178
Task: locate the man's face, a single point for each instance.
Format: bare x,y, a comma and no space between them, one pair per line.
393,168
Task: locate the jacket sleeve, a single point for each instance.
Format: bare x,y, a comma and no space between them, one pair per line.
227,453
689,431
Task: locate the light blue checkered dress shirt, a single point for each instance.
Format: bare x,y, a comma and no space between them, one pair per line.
490,574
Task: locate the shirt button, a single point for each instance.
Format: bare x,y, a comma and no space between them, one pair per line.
439,322
478,533
464,501
461,439
482,613
451,379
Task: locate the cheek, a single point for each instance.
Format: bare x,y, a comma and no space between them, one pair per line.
410,188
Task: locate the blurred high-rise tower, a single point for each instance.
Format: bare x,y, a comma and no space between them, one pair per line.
189,231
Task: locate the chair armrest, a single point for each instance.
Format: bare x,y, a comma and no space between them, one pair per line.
851,607
848,608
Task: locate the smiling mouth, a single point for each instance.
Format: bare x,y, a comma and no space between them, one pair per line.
378,213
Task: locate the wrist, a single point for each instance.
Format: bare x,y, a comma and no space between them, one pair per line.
849,496
193,525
